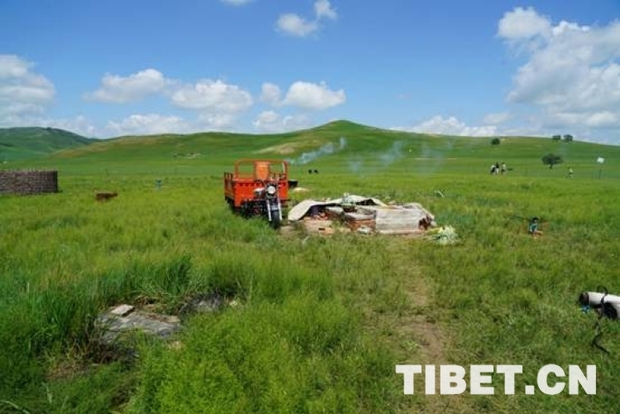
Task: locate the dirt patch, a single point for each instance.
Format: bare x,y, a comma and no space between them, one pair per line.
289,147
282,149
426,343
416,338
431,338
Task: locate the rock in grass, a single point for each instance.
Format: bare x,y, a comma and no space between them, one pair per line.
122,310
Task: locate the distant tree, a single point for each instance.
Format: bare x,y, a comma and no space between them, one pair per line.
495,141
568,138
552,159
556,137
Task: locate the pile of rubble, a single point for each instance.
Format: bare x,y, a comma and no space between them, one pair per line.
362,214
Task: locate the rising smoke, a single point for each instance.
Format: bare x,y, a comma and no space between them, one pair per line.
424,159
381,160
430,160
355,165
326,149
393,154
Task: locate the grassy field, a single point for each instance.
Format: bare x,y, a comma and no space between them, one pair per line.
23,143
320,322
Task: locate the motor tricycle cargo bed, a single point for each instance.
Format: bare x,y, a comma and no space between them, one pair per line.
241,185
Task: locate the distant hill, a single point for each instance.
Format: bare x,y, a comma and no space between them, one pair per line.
338,138
31,142
227,146
336,147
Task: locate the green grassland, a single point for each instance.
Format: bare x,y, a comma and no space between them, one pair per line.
29,142
320,322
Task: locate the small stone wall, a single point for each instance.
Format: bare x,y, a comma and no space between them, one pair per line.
28,182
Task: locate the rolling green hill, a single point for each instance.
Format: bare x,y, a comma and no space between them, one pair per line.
30,142
339,147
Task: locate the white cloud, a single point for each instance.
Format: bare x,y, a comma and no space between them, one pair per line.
523,24
572,73
496,118
270,94
79,125
322,8
213,97
294,25
216,102
313,96
564,27
266,120
25,96
138,124
270,121
451,126
118,89
147,124
12,66
23,93
221,121
602,119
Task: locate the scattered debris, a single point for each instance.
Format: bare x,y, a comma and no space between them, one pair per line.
315,207
443,235
125,318
361,214
319,226
114,328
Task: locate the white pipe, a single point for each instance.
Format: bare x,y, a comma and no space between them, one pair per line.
595,298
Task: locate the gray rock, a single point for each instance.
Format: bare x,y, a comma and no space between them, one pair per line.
113,325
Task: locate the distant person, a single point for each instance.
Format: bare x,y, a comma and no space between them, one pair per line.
493,170
533,227
570,172
503,168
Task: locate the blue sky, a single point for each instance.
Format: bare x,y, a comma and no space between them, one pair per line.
477,68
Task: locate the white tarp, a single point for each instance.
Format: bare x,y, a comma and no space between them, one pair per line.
399,219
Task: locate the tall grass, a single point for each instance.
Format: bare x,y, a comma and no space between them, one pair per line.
318,322
297,356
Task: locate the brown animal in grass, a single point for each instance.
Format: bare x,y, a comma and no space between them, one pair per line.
105,196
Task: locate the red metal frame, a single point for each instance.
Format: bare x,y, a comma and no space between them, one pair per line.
240,184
